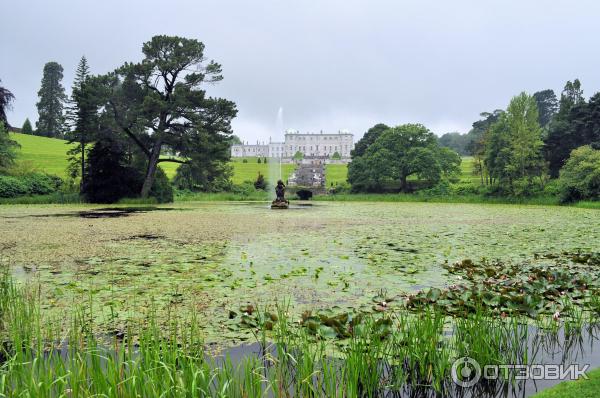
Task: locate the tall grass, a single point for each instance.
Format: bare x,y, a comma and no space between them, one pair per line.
420,197
394,352
55,198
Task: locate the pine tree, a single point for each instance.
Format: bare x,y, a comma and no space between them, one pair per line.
81,115
27,128
51,121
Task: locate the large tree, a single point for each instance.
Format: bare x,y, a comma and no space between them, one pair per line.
547,104
51,121
367,139
6,98
476,141
514,144
576,124
159,102
82,117
399,153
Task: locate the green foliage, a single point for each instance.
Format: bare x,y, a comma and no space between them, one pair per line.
51,121
162,190
336,156
213,177
578,388
260,182
513,154
580,176
28,184
7,149
109,177
6,98
163,93
547,105
298,155
27,128
83,118
259,160
367,139
399,153
456,141
577,124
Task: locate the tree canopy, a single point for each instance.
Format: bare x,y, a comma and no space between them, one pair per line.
547,105
513,145
576,124
6,98
51,120
580,177
27,127
367,139
159,102
399,153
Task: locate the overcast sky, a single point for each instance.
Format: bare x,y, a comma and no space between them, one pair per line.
329,64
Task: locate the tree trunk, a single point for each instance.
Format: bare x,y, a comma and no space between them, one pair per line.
151,171
403,184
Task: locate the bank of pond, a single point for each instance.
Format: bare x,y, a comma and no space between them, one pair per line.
504,332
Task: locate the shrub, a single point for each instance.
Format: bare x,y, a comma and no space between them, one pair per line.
336,156
28,184
260,182
580,176
259,160
244,160
11,187
162,190
108,176
442,188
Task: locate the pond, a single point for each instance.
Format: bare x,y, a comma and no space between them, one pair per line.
212,258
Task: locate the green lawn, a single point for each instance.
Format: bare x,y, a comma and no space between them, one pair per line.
44,154
249,171
580,388
336,174
50,155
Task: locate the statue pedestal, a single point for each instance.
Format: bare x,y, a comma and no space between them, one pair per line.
280,204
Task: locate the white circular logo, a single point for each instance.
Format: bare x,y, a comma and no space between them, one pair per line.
466,372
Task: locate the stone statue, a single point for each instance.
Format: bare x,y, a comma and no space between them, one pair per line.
280,202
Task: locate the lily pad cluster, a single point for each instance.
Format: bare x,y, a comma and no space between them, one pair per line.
335,323
528,288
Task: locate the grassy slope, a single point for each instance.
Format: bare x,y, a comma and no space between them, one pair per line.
50,155
579,388
43,154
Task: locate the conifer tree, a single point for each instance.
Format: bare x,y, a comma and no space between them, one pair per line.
51,121
27,128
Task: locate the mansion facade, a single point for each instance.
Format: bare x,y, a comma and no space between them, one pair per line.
320,145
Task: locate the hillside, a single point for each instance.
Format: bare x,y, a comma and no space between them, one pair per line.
50,155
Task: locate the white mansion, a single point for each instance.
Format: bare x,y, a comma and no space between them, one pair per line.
310,144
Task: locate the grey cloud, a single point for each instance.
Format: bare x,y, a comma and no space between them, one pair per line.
329,64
